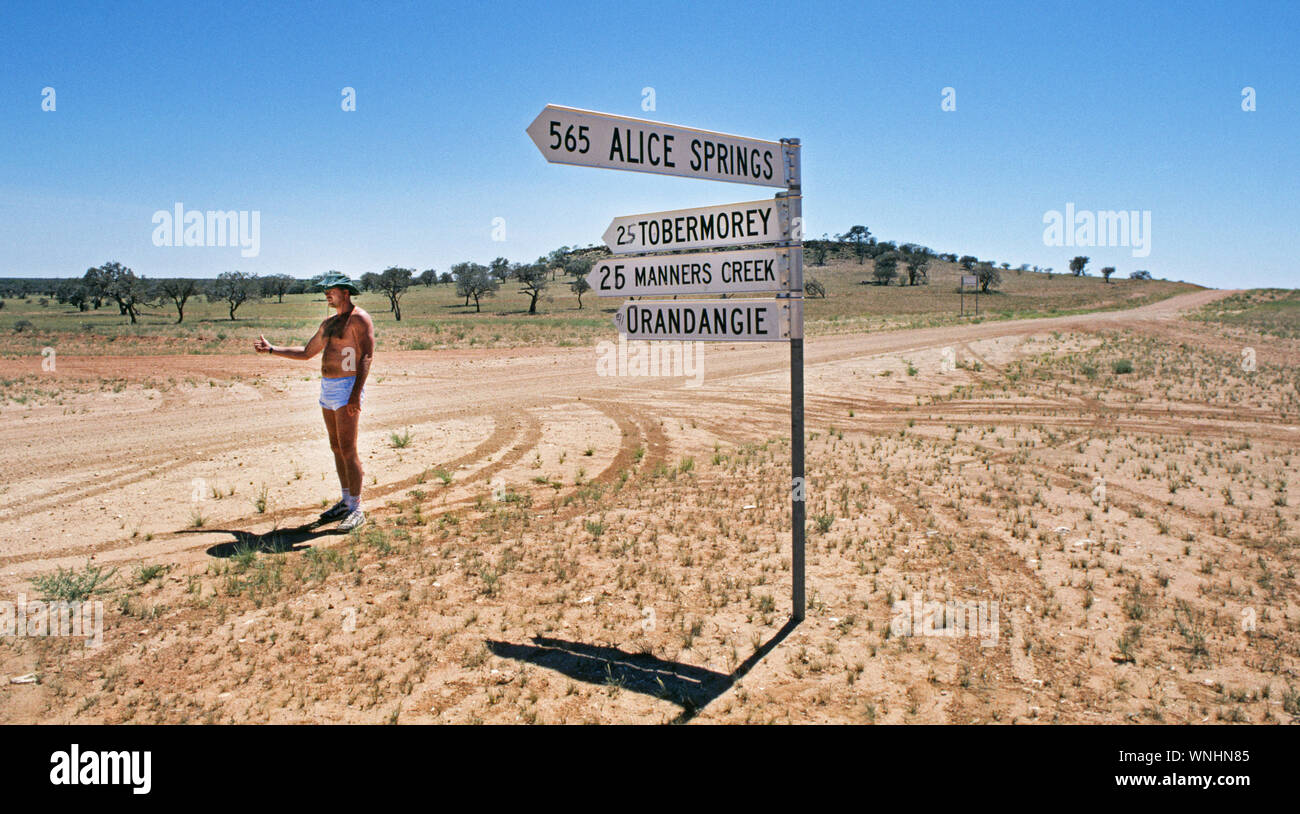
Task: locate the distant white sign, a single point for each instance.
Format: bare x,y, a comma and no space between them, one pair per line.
969,280
706,227
739,272
755,320
567,135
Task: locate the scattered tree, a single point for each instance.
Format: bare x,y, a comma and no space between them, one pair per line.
72,292
96,283
277,284
533,278
819,249
474,281
578,268
918,260
119,283
813,287
988,277
580,286
178,291
428,277
1078,266
554,262
393,282
1140,274
236,288
886,268
859,237
1106,272
500,269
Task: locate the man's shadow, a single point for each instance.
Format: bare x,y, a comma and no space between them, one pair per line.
691,688
272,542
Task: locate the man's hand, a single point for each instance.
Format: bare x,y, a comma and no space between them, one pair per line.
261,345
352,408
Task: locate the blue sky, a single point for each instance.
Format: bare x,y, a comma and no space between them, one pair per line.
1108,106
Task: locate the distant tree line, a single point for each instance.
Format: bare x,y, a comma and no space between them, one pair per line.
1079,268
115,284
909,263
475,281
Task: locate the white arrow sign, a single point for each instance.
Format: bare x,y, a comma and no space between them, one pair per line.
758,320
566,135
739,272
706,227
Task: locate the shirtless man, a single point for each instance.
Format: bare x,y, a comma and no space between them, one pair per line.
348,340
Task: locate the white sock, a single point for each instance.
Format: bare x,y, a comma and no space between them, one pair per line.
353,502
346,497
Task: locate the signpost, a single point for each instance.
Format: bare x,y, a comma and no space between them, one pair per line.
972,281
748,320
707,227
566,135
734,272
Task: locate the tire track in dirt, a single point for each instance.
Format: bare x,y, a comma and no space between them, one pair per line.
632,435
975,573
476,382
529,437
1001,575
503,432
965,346
636,428
1028,415
1136,503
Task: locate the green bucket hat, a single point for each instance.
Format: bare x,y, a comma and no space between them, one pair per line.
336,280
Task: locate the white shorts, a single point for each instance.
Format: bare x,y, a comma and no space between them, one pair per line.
334,393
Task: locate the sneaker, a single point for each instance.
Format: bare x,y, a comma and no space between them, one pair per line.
352,521
339,509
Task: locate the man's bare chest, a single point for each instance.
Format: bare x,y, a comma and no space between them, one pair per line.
341,353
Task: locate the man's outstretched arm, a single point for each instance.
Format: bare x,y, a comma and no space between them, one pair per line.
307,351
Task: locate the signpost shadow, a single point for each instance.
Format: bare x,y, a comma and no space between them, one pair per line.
691,688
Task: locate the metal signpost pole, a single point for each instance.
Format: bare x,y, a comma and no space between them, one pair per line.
566,135
972,281
794,296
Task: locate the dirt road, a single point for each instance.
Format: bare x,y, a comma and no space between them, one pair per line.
183,451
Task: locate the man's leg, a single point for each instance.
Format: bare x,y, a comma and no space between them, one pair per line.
331,427
346,427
